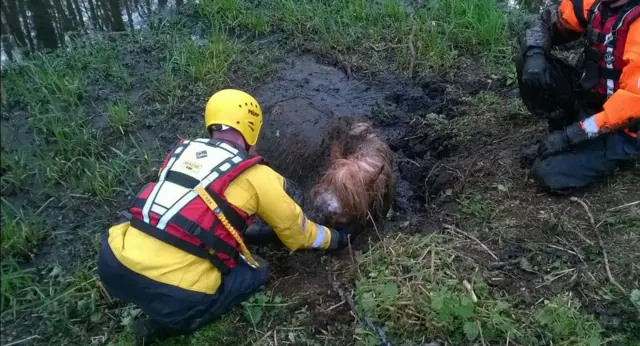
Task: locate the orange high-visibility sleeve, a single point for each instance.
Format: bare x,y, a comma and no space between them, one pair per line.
568,18
624,105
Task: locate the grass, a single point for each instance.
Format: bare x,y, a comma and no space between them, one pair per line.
101,114
429,37
17,284
414,286
121,119
15,170
20,233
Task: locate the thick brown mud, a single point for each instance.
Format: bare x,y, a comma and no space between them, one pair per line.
306,97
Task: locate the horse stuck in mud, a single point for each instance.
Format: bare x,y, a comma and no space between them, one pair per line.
349,172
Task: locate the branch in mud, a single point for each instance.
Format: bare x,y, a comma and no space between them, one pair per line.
368,321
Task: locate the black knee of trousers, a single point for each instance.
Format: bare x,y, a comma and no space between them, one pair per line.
554,178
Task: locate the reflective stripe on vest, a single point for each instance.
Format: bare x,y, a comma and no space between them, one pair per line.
173,212
606,38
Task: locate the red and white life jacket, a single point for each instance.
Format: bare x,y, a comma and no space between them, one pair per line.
606,35
172,211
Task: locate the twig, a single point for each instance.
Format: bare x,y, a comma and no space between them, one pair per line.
21,341
624,206
335,306
481,336
380,334
499,265
374,225
412,48
44,205
561,249
467,285
455,229
433,264
104,292
353,259
560,274
581,236
604,249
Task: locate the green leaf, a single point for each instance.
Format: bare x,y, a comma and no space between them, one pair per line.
254,314
437,303
95,317
471,330
367,302
501,306
594,341
390,290
466,307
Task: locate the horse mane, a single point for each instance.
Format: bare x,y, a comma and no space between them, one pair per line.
360,174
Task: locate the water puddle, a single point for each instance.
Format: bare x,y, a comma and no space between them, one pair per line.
34,25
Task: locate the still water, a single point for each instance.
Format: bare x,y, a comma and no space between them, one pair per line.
34,25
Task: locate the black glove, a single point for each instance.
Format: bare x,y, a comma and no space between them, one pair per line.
341,237
562,140
536,72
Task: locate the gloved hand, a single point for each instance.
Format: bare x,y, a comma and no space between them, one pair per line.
536,71
341,237
562,140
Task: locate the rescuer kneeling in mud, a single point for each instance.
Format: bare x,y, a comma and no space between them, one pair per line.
179,251
593,112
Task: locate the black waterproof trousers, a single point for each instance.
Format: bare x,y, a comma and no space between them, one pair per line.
564,103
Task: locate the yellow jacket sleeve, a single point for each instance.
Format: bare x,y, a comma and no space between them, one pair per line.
283,214
623,107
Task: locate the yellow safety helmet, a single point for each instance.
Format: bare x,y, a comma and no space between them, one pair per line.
236,109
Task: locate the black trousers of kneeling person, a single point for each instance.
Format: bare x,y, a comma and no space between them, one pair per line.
173,311
562,104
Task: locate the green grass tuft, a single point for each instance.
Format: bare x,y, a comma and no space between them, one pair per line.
17,286
121,119
21,233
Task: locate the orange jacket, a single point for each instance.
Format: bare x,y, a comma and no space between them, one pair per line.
623,107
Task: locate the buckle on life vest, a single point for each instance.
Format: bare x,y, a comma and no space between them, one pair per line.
608,57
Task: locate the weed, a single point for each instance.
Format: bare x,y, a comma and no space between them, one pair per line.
563,324
413,287
167,86
208,63
101,178
17,286
20,233
234,13
54,81
70,130
476,206
120,118
15,170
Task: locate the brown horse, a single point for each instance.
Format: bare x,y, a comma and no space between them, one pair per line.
359,179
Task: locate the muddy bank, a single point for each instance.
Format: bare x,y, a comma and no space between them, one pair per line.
305,97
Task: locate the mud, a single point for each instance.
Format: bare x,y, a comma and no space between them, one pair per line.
305,97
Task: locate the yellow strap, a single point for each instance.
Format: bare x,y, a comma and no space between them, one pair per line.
234,233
